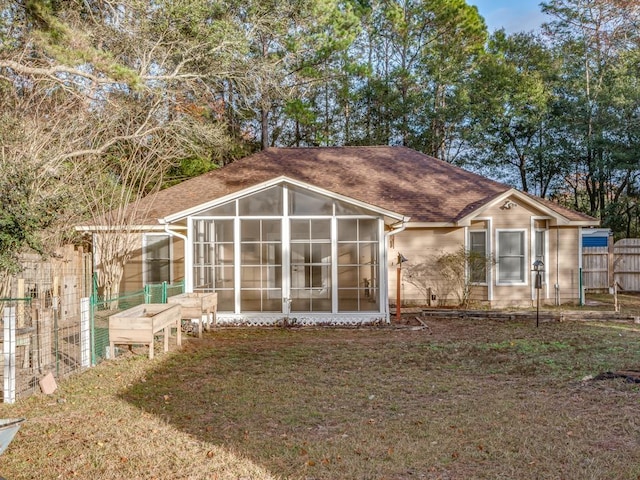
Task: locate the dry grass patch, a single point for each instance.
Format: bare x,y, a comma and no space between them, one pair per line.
628,302
472,399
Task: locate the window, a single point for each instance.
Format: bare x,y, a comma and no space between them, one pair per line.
310,265
287,247
303,202
213,250
261,265
511,256
478,256
157,259
358,265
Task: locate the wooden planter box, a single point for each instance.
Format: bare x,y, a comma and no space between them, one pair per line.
138,325
197,305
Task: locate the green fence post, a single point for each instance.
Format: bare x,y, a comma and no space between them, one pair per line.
164,292
147,294
580,293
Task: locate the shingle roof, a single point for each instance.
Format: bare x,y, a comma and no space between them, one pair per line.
398,179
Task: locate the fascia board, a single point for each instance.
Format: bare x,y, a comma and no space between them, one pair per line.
521,197
125,228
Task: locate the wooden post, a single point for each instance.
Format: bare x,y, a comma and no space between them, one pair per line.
610,263
20,320
56,292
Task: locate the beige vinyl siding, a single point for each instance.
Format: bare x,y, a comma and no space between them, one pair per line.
478,294
566,241
421,245
561,258
132,276
516,218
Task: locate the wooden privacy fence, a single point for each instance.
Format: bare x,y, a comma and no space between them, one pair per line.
620,263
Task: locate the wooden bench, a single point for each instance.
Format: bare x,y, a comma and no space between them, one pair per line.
196,305
139,325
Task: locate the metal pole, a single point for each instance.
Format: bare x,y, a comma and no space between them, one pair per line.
537,305
398,274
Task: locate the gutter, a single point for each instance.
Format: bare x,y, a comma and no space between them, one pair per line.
384,289
187,258
173,233
395,230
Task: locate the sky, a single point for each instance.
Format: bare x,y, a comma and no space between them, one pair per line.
512,15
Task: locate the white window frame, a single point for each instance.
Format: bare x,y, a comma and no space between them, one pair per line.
486,254
286,243
145,270
525,256
534,248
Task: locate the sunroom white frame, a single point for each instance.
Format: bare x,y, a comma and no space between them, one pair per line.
388,222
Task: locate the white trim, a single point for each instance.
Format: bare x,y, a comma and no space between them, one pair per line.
384,259
285,218
145,236
117,228
433,224
492,256
581,298
521,197
237,265
333,227
286,254
188,257
277,181
383,271
467,248
259,319
533,248
525,255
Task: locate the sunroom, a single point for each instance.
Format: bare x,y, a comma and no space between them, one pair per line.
288,251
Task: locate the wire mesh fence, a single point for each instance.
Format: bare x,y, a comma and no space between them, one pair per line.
102,308
42,328
54,322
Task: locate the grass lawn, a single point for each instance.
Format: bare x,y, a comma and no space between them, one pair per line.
463,400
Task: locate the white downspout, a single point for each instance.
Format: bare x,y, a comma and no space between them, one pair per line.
188,287
384,294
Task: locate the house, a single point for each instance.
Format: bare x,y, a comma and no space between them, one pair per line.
313,234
